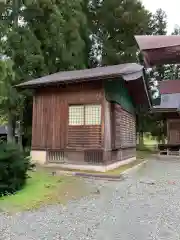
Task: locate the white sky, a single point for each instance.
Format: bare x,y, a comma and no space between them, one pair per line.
171,7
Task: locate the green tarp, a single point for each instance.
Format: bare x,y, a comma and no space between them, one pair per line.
116,91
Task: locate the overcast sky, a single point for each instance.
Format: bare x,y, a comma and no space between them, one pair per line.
171,7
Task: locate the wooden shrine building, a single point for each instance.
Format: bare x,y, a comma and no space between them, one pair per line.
86,119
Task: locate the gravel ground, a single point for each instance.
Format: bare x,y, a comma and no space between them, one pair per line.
146,205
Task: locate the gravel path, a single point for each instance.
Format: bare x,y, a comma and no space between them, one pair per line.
144,206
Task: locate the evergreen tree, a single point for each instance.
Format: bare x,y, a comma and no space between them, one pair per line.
159,28
115,24
59,27
41,37
159,22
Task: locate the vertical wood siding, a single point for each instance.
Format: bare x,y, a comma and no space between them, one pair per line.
173,128
50,117
125,129
120,133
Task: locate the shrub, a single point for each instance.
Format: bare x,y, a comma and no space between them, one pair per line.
13,168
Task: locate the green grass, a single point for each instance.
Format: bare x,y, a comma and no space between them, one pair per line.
150,141
42,189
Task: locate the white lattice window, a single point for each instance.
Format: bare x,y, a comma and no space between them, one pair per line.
92,114
84,115
76,115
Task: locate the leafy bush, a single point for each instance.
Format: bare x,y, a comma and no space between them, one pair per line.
13,168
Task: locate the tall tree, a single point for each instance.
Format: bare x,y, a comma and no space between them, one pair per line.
8,94
117,23
59,27
42,37
22,49
159,25
159,22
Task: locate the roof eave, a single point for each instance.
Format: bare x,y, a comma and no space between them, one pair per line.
84,79
154,110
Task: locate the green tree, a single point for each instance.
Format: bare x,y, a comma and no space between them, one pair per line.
8,95
115,24
19,46
42,37
159,22
58,26
159,26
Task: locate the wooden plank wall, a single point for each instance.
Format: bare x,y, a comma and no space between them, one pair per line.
173,131
120,127
125,128
84,136
49,121
50,117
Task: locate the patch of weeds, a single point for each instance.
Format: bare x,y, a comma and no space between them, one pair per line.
44,189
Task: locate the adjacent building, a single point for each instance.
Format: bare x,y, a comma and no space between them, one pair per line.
158,51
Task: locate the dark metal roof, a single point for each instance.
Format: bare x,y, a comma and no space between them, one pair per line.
159,50
129,71
169,86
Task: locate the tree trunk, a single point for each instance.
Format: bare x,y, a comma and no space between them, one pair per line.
20,135
163,139
10,136
141,138
19,131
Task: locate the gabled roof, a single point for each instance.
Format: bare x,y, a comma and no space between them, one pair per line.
132,73
160,49
128,71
